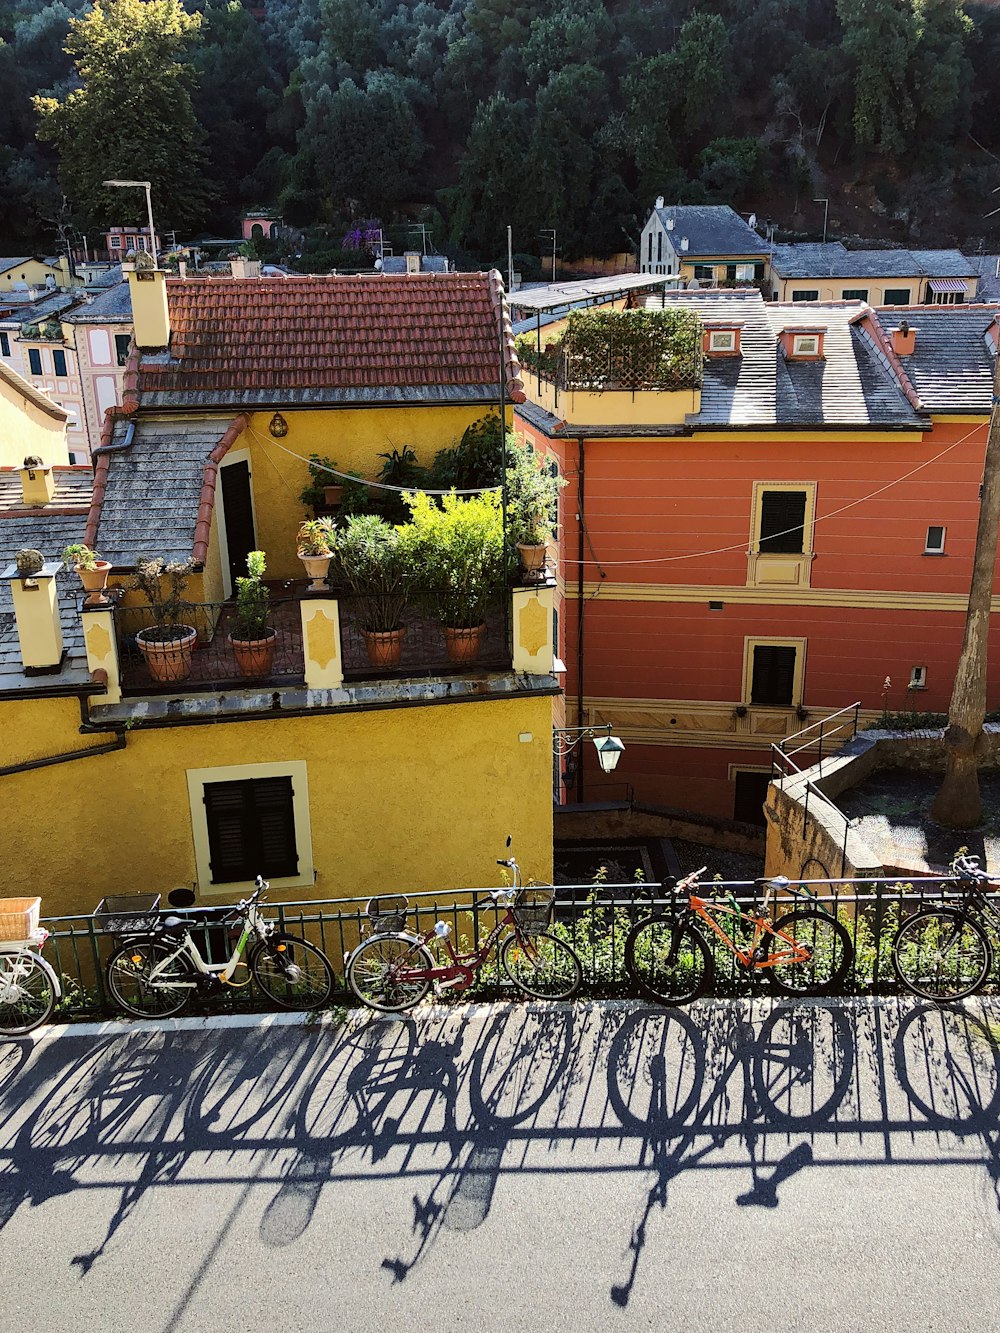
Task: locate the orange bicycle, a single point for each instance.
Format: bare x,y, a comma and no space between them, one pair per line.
805,952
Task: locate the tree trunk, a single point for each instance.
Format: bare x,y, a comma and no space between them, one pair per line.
958,803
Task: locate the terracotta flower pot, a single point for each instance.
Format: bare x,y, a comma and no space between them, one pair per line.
333,496
385,647
532,558
317,567
94,582
463,645
168,659
254,657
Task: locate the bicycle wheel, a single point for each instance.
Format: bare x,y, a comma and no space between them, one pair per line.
133,989
27,993
802,1063
292,972
542,965
669,959
829,947
381,972
941,954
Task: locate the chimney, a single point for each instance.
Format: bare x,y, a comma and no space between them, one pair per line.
150,314
245,268
36,610
37,482
412,261
659,201
684,242
904,339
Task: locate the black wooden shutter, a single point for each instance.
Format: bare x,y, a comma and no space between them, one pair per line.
782,520
251,829
773,675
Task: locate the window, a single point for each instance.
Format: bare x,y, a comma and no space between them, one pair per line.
659,247
123,341
730,272
34,361
918,678
59,362
4,345
73,420
781,525
747,272
896,296
722,340
772,678
934,545
806,294
704,272
854,294
751,793
251,829
649,250
805,345
114,242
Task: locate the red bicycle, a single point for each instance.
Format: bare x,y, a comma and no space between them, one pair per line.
393,969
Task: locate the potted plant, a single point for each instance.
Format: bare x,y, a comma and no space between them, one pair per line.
315,542
323,488
457,550
168,643
373,561
250,635
532,504
91,570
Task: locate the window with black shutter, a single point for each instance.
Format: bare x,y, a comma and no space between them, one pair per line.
751,793
251,829
773,679
782,522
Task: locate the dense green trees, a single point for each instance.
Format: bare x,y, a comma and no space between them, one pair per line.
570,114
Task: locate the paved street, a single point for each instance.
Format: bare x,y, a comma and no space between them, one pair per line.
739,1167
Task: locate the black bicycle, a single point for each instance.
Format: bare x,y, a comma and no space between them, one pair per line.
942,952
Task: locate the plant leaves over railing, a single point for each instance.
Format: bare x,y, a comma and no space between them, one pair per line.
625,349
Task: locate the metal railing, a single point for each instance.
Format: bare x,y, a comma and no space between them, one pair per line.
839,727
423,649
595,918
213,664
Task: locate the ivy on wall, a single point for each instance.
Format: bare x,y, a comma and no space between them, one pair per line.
628,349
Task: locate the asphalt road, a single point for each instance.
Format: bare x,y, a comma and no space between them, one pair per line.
729,1167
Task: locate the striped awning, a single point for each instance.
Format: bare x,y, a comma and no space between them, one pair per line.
947,285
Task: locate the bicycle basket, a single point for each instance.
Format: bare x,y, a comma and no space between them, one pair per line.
387,914
533,908
127,914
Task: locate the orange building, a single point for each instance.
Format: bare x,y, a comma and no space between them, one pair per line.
795,528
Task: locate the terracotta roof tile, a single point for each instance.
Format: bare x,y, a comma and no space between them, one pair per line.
331,335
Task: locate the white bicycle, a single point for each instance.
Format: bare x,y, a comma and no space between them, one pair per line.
29,987
154,974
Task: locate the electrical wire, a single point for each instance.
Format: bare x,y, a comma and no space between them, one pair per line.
742,546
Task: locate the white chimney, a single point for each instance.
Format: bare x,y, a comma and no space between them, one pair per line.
684,242
659,201
670,224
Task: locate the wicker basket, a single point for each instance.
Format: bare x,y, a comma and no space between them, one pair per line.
387,914
19,917
533,908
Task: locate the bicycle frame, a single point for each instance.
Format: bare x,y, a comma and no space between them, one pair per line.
460,972
13,961
253,925
753,958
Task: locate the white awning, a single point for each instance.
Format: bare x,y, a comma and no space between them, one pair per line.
947,285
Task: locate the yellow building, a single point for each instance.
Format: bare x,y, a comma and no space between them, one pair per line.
24,271
808,271
332,777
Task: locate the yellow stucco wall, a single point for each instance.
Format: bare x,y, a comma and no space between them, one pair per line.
353,438
400,799
611,407
31,271
26,427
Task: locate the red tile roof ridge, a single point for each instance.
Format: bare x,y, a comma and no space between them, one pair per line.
101,466
869,322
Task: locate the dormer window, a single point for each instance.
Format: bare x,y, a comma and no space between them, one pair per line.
803,344
721,340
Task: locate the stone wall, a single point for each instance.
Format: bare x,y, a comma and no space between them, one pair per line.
575,824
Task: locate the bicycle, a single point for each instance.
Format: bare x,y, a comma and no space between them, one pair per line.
153,974
942,952
29,986
393,970
805,952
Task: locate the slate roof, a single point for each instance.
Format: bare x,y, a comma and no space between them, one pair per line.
7,264
814,260
952,363
427,337
711,229
109,278
51,534
988,268
36,312
111,306
74,486
153,489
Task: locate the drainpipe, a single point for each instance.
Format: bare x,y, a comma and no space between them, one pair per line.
580,490
100,681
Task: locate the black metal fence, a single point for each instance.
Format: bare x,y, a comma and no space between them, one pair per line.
212,661
423,650
596,919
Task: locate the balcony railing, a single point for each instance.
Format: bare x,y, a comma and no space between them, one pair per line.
424,652
213,662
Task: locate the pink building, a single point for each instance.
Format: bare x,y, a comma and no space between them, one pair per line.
120,240
261,225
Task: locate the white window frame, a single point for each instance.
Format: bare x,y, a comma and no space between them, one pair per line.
805,344
722,340
935,550
197,778
918,678
744,272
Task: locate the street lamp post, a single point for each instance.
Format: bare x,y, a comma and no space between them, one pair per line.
609,748
551,231
143,185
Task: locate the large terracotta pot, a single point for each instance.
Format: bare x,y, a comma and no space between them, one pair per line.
532,558
94,582
317,567
385,647
168,659
333,496
254,657
463,645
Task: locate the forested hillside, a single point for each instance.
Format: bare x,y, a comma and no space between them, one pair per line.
472,114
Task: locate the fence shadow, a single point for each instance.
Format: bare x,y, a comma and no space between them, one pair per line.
451,1106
